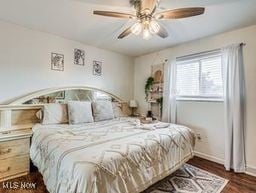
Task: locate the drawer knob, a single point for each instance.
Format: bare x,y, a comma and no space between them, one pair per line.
3,152
6,170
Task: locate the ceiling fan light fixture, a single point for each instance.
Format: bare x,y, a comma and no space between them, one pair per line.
154,27
146,34
136,28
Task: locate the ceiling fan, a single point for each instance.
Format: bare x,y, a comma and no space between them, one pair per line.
147,19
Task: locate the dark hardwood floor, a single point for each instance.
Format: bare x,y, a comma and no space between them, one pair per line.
238,183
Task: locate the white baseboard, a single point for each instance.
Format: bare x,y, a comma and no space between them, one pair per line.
250,170
209,157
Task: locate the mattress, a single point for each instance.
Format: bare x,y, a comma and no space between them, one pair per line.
115,156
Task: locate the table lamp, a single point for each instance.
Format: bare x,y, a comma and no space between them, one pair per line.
133,105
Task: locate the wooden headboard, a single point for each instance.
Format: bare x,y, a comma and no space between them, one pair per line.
21,112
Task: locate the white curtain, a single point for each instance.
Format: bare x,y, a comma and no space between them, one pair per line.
169,99
234,101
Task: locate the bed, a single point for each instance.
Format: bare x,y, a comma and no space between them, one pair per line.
115,156
118,155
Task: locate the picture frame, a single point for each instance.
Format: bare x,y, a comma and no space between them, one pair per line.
97,68
61,95
79,57
57,62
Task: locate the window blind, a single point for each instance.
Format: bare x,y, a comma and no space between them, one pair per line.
200,76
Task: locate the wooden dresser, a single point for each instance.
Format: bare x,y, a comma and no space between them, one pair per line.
14,153
15,132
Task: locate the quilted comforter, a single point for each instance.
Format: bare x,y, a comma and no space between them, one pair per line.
115,156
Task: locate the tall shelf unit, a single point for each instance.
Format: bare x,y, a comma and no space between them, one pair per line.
156,92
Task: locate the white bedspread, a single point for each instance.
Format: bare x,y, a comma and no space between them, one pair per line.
116,156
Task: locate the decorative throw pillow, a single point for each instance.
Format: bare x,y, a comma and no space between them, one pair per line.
80,112
117,109
54,114
102,110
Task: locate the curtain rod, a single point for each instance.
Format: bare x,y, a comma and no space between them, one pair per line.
201,53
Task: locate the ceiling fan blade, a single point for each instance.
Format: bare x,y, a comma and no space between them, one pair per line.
180,13
125,33
114,14
163,32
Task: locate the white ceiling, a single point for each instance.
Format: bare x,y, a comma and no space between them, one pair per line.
73,19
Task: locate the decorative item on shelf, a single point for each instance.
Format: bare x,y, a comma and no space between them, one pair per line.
158,76
157,72
79,57
57,61
160,102
133,105
60,98
60,95
148,87
97,68
149,114
47,99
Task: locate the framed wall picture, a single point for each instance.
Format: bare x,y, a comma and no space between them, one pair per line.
79,57
57,61
97,68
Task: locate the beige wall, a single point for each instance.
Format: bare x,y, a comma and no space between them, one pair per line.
206,118
25,64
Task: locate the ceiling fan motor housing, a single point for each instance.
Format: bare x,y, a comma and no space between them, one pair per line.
144,8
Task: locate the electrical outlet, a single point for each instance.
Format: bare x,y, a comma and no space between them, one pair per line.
198,137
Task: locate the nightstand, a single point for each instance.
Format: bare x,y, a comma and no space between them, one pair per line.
14,153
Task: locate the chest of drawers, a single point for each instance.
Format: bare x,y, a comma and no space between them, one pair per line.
14,153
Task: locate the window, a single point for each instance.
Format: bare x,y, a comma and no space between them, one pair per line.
200,77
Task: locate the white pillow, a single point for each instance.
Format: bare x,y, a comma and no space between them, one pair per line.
54,114
80,112
102,110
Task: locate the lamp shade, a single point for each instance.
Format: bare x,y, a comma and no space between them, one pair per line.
133,103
